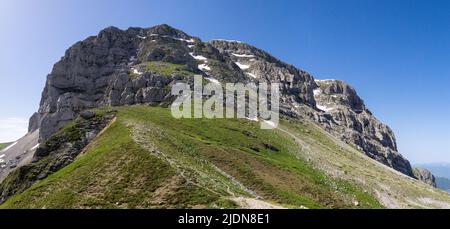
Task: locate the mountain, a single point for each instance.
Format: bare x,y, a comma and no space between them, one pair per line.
146,159
442,173
439,169
122,60
425,176
443,183
107,140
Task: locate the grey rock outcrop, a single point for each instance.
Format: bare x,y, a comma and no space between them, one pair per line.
109,69
262,67
335,105
57,152
93,73
425,176
343,113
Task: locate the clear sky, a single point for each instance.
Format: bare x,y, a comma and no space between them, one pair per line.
395,53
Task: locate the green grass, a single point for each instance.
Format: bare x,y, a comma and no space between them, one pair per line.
243,150
4,145
198,158
147,159
113,173
163,69
167,69
346,162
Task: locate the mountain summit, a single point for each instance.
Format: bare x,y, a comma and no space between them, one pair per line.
126,69
110,69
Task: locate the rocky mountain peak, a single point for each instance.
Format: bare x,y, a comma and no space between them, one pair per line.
332,93
166,30
344,113
425,176
139,65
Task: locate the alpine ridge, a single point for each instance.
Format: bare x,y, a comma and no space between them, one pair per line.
138,66
95,72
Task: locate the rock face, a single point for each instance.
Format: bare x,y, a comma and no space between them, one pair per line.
342,112
262,67
124,67
110,69
425,176
336,105
57,152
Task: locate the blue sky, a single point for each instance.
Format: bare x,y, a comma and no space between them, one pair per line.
395,53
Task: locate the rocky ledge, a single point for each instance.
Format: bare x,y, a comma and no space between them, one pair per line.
57,152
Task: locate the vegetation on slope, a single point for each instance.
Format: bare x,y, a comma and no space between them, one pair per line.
113,173
392,188
4,145
57,152
166,68
163,69
147,159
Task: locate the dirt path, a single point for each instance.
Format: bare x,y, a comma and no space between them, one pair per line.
251,203
190,173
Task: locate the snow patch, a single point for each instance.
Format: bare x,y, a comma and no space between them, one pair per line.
181,39
242,55
324,108
136,71
175,38
242,66
235,41
204,67
34,147
9,147
200,57
252,119
212,80
251,75
324,80
141,37
131,60
317,91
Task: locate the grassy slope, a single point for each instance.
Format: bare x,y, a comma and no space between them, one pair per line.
393,189
4,145
188,163
148,159
114,172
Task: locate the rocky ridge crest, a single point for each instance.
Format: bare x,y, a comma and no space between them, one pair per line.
124,67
